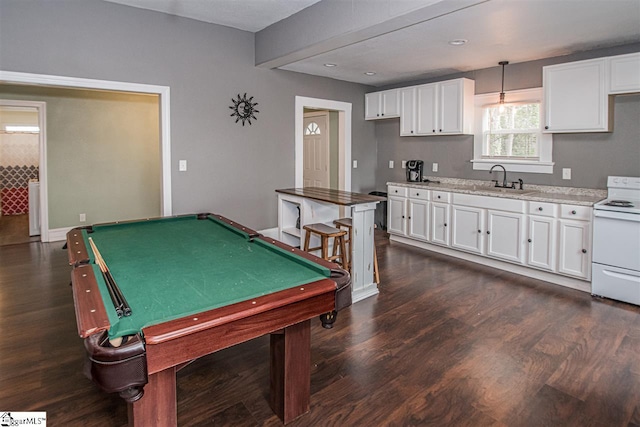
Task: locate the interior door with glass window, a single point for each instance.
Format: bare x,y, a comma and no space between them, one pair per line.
316,150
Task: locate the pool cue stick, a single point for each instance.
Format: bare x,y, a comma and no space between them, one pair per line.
124,305
119,301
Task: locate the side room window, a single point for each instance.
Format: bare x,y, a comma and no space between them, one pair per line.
511,134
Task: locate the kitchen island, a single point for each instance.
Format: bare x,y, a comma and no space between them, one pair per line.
298,207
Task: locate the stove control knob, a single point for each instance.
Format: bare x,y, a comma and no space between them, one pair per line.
616,180
625,180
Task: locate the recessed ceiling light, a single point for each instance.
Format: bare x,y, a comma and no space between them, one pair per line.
458,42
330,65
370,73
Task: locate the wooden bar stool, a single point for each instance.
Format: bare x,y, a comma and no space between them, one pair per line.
347,224
326,232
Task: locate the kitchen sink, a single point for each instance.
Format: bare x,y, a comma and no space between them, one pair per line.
501,190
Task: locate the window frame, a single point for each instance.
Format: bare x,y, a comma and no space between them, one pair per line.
544,164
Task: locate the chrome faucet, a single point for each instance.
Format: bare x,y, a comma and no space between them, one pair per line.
504,179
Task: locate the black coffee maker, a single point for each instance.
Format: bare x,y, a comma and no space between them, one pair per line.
414,170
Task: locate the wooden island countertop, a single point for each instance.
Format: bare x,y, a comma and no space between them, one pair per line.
338,197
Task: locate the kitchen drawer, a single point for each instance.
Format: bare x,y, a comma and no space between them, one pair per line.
441,196
543,209
418,193
394,190
575,212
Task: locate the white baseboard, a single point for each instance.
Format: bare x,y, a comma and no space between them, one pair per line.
58,234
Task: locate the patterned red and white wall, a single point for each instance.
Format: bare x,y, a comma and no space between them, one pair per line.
19,157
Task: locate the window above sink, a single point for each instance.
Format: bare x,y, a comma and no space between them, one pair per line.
512,137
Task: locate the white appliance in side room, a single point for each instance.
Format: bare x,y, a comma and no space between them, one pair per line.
616,241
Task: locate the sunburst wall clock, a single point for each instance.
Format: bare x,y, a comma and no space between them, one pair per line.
244,109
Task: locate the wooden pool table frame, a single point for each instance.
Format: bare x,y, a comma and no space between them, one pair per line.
174,344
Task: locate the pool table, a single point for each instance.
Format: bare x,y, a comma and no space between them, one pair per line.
197,284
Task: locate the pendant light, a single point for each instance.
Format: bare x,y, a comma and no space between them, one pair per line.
501,108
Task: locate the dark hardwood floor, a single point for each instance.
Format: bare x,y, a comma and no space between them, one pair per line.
446,342
15,229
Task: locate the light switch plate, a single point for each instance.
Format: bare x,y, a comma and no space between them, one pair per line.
566,173
390,164
435,167
83,217
182,165
404,164
355,164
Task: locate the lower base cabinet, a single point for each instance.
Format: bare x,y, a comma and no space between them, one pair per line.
540,235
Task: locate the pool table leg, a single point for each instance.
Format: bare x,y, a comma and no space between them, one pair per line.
291,371
158,406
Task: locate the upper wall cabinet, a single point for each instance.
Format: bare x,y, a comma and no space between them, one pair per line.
624,73
443,108
382,105
576,97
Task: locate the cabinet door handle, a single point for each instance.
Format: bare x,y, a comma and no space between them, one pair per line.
434,131
438,197
584,251
411,131
402,216
573,212
445,224
479,231
546,127
440,130
488,232
540,209
529,240
417,194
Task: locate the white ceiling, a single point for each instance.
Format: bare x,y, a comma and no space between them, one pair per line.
248,15
496,30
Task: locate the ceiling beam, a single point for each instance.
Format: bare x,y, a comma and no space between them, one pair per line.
332,24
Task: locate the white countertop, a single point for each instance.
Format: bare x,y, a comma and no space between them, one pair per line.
531,192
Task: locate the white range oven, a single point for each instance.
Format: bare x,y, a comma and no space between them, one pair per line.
616,241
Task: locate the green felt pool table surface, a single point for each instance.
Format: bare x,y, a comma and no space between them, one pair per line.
175,267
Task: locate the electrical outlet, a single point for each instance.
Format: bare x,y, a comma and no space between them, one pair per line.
182,165
390,164
566,173
404,164
435,167
355,164
83,217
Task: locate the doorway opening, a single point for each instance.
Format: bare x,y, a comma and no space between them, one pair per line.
339,161
21,143
163,92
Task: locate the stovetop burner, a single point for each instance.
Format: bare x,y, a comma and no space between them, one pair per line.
620,203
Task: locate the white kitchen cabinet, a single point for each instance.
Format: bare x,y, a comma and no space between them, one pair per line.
397,213
574,255
624,73
382,105
505,236
407,111
426,115
443,108
418,219
484,231
467,224
542,242
439,223
576,97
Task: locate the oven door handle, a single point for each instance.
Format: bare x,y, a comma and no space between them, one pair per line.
617,215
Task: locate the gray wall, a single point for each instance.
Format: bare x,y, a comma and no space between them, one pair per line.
591,156
232,170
